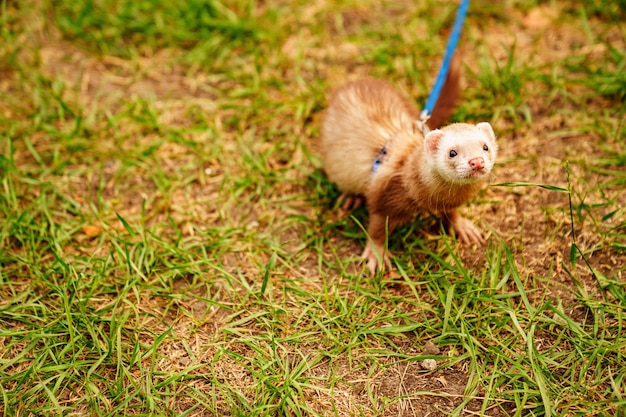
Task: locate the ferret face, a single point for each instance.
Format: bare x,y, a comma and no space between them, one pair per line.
462,153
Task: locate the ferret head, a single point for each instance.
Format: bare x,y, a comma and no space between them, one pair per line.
461,153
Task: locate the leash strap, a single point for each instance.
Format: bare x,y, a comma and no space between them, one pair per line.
441,78
445,65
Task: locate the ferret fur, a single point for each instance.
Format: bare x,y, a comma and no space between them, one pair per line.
417,173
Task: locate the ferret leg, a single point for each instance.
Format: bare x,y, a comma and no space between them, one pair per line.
373,254
464,229
375,251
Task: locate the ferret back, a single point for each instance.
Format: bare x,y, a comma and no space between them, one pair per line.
362,116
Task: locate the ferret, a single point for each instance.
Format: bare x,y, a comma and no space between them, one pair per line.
372,148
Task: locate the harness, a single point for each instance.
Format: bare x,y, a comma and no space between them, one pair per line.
379,159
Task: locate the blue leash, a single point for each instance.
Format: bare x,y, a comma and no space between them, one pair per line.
445,65
441,77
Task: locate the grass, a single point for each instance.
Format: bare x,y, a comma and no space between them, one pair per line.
169,246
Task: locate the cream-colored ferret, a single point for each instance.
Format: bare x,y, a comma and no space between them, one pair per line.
371,147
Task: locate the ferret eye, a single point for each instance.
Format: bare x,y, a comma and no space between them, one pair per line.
453,154
485,147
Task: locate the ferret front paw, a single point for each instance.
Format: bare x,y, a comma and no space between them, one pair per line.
466,231
373,255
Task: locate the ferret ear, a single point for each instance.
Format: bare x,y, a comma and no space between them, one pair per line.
432,139
487,130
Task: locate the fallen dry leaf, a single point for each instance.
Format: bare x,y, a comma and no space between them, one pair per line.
91,230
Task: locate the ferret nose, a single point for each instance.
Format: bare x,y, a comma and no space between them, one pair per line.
477,163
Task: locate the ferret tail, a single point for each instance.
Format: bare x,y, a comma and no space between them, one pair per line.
450,93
